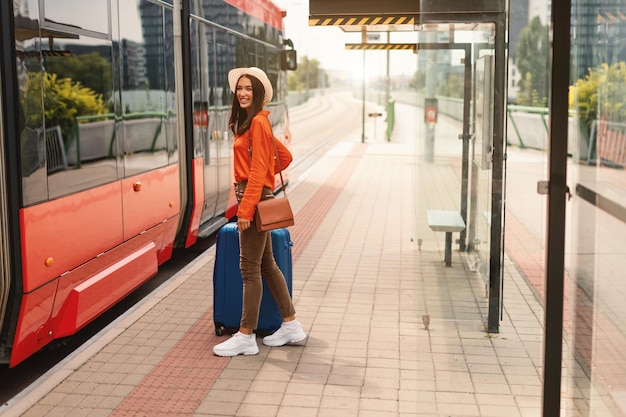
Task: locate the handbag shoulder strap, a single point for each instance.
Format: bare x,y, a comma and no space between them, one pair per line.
280,171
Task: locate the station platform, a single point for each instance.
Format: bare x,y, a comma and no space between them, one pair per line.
391,330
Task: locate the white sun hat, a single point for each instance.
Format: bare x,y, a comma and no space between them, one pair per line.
236,73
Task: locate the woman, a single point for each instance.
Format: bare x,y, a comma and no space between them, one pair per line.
254,176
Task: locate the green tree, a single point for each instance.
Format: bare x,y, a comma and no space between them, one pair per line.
309,74
63,101
601,94
91,70
293,84
532,62
452,86
418,81
529,96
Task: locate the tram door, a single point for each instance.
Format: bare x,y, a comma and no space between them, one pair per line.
4,245
214,98
206,119
222,140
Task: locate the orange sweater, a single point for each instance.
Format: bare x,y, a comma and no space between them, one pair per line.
259,170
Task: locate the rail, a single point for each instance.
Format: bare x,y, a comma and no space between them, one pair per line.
93,137
608,143
527,127
602,202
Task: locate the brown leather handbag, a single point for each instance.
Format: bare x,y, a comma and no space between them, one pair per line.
273,213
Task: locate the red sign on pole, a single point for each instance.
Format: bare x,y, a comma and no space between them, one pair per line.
201,114
201,118
430,110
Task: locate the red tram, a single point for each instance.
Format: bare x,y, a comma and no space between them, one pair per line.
114,146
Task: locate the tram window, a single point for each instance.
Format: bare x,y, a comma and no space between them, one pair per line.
240,52
66,98
200,102
273,76
226,63
261,60
29,71
212,56
73,12
221,74
251,54
148,106
171,133
272,61
79,116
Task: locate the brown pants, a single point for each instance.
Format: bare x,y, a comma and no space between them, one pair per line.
256,260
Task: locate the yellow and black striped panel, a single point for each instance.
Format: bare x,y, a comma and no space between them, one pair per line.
362,20
36,54
611,17
56,53
381,46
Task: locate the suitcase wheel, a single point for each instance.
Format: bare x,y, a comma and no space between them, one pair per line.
219,328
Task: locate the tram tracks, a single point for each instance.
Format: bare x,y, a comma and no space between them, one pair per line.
318,125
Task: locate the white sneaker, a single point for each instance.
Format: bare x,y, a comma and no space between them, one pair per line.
285,335
239,344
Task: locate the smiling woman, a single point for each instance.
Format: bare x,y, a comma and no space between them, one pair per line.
255,152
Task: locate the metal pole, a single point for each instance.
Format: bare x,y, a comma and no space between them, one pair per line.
466,137
388,79
555,259
363,123
306,73
497,179
431,84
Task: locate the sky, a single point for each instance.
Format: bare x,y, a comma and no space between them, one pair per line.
327,45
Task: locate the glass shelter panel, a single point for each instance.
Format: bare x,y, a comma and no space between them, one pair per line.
479,214
453,142
595,330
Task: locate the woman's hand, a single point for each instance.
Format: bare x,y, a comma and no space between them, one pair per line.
243,224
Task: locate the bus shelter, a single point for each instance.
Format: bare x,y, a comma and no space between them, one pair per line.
477,29
482,149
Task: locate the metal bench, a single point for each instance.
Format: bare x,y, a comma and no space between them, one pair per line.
446,221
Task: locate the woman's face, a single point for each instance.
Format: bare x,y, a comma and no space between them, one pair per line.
244,92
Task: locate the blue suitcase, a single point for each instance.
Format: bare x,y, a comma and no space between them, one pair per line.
227,281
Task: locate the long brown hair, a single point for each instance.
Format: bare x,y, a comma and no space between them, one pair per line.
240,119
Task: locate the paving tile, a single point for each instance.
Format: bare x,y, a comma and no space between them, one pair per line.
488,388
256,410
263,398
453,409
499,411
